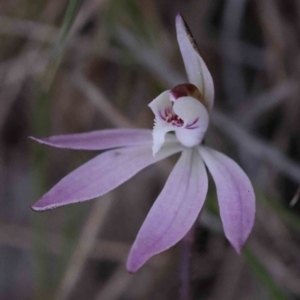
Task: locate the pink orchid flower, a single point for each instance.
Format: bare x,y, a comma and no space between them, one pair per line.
184,110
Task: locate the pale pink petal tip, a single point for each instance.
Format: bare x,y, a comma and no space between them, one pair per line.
36,139
178,16
35,207
174,212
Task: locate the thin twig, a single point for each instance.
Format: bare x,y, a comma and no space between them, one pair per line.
186,244
99,100
21,238
87,9
23,67
14,80
28,29
255,146
281,273
266,101
228,276
296,197
275,39
232,73
148,57
86,242
32,53
116,285
250,55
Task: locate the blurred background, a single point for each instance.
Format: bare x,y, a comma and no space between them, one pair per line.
70,66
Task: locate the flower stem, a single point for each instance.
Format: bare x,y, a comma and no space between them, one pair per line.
186,244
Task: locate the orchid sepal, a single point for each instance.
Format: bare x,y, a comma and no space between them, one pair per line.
195,66
235,196
174,212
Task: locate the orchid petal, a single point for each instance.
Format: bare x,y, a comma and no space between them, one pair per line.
174,212
99,140
196,68
235,194
102,174
196,119
161,106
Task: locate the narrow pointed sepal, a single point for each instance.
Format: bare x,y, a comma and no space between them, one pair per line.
99,140
235,196
196,68
102,174
174,211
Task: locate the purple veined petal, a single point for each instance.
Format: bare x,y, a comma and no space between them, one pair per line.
102,174
100,139
174,211
196,68
196,119
235,195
